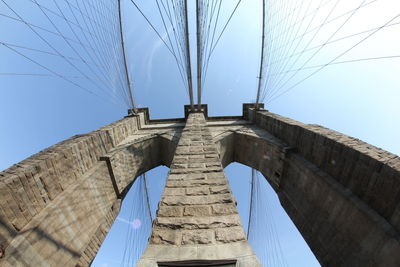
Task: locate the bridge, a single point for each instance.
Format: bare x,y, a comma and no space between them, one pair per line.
340,192
58,205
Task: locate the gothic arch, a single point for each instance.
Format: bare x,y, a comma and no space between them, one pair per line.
340,228
342,194
58,205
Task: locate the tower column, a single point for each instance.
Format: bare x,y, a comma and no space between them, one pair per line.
197,219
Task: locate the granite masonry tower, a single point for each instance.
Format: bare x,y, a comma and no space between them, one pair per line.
343,195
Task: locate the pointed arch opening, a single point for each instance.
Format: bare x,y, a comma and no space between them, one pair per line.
128,236
272,234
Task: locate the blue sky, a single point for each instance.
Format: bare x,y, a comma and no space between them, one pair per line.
359,99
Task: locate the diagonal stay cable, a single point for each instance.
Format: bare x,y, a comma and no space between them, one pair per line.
56,74
76,52
128,81
70,24
280,82
35,26
108,42
314,13
165,26
335,58
47,53
329,38
226,25
114,44
68,43
47,42
159,36
346,61
152,26
178,44
317,27
44,40
213,36
39,75
341,39
260,75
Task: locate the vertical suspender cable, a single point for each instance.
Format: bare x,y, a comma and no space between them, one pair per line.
128,80
188,63
147,195
251,200
260,78
198,53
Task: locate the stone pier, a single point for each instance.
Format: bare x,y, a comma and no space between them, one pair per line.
197,219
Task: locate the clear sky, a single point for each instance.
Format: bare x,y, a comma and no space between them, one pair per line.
360,99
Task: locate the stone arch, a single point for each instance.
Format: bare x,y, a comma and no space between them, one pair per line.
58,205
342,194
137,157
340,228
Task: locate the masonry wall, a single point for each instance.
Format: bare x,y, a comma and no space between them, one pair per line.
343,194
341,226
57,206
197,217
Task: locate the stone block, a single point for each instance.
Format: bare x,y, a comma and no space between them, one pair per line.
219,189
213,169
216,175
166,211
180,160
174,191
199,161
223,209
228,235
196,165
179,166
210,149
199,211
210,182
197,237
213,164
197,200
191,223
193,157
195,149
198,191
196,143
186,176
165,237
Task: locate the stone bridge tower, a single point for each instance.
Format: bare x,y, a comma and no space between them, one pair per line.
342,194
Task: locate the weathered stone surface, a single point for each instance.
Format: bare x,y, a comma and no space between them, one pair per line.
174,191
227,235
199,211
196,165
197,237
165,237
197,200
166,211
224,209
219,190
198,191
215,175
343,195
198,222
200,175
187,175
209,182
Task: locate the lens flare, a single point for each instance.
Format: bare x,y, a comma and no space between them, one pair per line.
136,223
